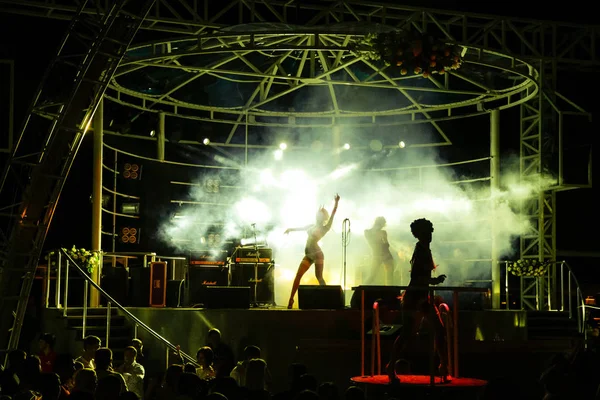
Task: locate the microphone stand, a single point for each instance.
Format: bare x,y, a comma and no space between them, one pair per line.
345,241
256,261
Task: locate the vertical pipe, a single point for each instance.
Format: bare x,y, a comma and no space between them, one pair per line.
570,295
160,137
135,331
506,296
246,142
98,126
58,278
47,296
362,332
66,296
114,214
562,286
495,187
560,149
11,106
455,334
86,289
108,315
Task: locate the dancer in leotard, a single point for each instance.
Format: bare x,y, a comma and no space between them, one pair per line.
312,251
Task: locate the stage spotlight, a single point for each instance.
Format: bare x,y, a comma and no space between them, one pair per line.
376,145
402,144
283,146
206,141
347,146
152,133
278,154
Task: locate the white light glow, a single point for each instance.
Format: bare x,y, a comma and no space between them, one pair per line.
402,144
282,146
251,210
206,141
152,133
347,146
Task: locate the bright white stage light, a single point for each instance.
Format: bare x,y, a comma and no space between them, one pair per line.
206,141
347,146
402,144
152,133
278,154
283,146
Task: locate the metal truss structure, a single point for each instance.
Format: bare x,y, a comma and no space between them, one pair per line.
42,154
532,51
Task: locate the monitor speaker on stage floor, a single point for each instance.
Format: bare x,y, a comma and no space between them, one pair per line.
139,286
227,297
315,297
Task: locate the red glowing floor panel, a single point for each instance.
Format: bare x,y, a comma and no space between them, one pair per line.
419,380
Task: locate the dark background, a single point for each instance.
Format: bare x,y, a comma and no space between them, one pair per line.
31,42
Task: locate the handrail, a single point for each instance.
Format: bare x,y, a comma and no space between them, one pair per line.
580,300
129,315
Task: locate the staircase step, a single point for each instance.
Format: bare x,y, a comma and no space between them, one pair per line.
101,328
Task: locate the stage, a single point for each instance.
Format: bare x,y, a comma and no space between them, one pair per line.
329,341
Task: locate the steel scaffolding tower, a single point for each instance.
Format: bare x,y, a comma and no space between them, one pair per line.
43,152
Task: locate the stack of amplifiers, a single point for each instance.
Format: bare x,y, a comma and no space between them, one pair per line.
207,268
255,268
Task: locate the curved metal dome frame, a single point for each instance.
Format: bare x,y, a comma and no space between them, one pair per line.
335,51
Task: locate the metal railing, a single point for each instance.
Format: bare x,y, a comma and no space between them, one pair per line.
564,273
110,302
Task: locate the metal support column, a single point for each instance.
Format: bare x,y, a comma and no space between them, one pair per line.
495,187
160,136
98,126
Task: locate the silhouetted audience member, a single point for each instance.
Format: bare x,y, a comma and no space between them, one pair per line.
90,345
141,355
85,381
256,374
295,371
133,372
215,396
103,360
189,368
9,380
190,386
47,354
129,396
224,360
168,388
205,357
64,367
328,391
29,375
308,382
239,371
354,393
109,387
49,386
307,395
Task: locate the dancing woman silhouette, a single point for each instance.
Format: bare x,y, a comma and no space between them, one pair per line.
380,248
417,306
312,250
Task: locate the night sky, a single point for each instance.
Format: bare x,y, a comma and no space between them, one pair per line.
31,42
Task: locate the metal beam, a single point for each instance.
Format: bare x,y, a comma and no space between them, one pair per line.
566,44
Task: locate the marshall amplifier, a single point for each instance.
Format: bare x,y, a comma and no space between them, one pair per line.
208,257
249,255
246,275
200,277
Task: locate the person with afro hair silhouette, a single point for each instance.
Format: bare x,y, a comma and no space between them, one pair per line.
418,310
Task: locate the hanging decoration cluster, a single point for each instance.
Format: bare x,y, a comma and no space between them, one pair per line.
413,53
90,260
528,267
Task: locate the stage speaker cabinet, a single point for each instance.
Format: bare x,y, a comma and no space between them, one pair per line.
389,296
314,297
158,284
200,278
227,297
260,275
